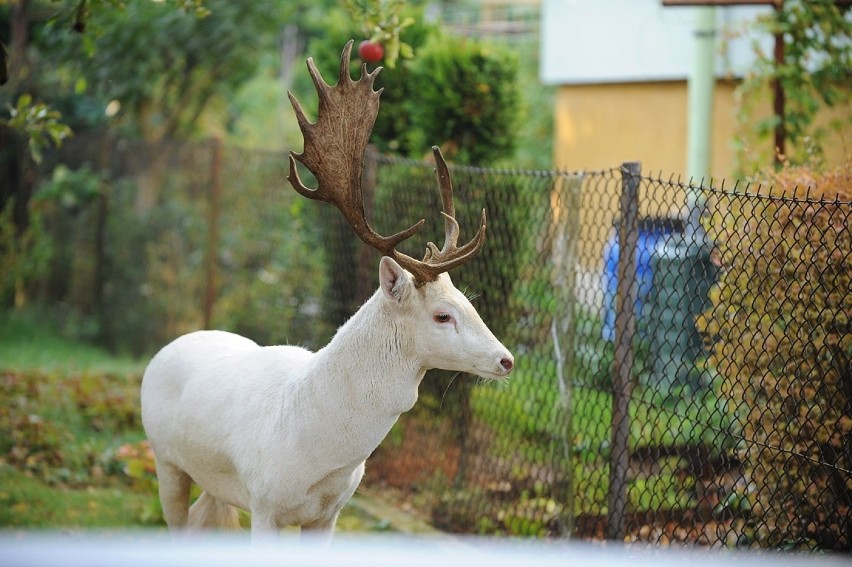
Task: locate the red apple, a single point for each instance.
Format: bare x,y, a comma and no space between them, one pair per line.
371,52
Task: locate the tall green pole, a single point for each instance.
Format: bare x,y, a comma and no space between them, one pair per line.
700,88
681,264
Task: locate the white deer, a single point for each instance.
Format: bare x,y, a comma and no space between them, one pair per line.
283,432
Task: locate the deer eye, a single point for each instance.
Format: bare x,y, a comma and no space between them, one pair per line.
442,318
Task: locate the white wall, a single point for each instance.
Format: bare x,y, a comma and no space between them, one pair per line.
609,41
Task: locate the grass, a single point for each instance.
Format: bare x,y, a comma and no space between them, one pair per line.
530,419
539,439
70,415
28,502
29,343
31,503
529,406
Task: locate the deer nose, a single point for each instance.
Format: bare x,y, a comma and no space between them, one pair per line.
507,363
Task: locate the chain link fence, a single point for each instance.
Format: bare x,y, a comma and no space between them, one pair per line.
696,389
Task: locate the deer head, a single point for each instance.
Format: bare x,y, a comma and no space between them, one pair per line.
444,328
334,151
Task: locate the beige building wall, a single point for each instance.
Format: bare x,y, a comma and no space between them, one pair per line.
600,126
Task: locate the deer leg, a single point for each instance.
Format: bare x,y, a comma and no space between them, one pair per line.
174,494
263,525
320,532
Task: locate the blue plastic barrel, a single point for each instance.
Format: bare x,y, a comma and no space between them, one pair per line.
651,230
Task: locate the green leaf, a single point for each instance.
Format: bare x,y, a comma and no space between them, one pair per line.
135,468
24,101
80,86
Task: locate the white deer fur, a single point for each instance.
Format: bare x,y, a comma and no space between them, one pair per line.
284,432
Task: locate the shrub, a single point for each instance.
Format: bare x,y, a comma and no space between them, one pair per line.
468,100
268,288
459,93
780,319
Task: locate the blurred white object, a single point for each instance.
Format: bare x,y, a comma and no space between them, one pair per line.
28,549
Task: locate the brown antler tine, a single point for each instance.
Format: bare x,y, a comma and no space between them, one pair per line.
395,239
471,249
301,118
444,261
304,126
445,183
422,272
319,83
345,57
300,187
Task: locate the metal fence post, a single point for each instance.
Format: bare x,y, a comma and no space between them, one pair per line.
565,207
213,231
625,327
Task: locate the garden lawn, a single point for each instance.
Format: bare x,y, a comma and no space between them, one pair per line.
28,343
29,502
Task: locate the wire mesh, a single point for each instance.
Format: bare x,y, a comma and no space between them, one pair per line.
696,389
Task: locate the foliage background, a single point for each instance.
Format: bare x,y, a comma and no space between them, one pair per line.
789,301
814,75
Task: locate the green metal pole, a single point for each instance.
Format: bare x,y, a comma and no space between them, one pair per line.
700,88
681,264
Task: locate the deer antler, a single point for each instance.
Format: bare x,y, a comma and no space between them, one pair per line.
334,151
450,256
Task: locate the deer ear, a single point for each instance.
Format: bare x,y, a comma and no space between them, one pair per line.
395,281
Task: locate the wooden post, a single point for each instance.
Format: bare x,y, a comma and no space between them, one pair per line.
366,262
778,93
625,328
213,230
104,187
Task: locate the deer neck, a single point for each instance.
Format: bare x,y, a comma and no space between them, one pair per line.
367,375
